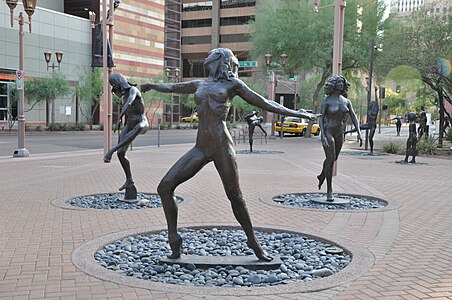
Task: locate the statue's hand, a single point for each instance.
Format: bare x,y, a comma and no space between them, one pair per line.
315,116
360,140
325,142
145,87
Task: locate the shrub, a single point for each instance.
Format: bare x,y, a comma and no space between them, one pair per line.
53,127
77,127
427,146
392,147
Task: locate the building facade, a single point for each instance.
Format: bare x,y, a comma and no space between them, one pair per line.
63,25
406,7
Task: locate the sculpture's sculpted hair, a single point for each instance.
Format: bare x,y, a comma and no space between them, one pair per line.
330,85
222,64
119,79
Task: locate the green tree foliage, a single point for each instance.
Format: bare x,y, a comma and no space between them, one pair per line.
48,89
293,28
90,91
242,108
152,98
421,41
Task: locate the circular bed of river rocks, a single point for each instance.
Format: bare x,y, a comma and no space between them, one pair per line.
112,201
304,258
307,200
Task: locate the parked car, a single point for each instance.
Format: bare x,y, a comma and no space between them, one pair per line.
192,118
297,126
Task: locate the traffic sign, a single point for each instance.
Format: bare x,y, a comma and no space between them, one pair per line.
19,79
248,64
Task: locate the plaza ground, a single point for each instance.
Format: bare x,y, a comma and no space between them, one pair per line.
410,243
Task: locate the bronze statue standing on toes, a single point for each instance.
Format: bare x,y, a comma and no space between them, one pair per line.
334,109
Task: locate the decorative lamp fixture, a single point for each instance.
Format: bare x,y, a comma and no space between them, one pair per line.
47,56
268,59
29,7
92,18
283,61
177,72
12,5
59,56
167,72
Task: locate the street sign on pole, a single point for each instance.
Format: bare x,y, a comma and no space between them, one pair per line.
19,79
248,64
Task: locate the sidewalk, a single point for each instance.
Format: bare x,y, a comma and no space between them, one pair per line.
410,243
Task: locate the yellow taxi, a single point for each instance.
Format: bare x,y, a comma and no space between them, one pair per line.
192,118
297,126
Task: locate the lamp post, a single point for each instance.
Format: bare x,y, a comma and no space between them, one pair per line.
107,22
339,15
271,88
29,7
173,75
59,58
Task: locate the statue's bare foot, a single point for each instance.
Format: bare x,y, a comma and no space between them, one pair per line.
413,161
107,157
176,246
129,182
321,179
259,252
329,196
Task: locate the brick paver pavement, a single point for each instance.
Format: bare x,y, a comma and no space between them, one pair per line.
411,243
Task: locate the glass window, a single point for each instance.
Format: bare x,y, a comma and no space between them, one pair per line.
234,38
193,40
237,3
236,20
197,23
201,5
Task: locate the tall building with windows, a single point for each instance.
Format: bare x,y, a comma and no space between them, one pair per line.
406,7
211,24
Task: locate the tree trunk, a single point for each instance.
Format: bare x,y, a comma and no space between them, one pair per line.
47,112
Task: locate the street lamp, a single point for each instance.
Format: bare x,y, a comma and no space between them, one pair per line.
29,7
173,74
272,84
107,41
48,56
339,16
59,58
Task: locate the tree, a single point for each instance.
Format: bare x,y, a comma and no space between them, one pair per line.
243,108
90,91
291,27
46,89
422,41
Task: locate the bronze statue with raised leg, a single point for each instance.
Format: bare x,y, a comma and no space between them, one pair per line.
253,120
136,123
213,98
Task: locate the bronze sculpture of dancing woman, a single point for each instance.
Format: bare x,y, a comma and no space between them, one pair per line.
213,98
253,120
334,109
136,123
